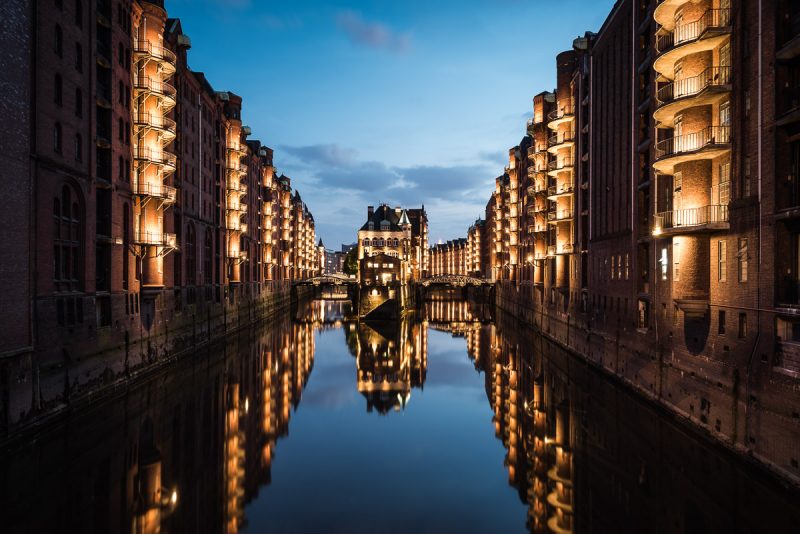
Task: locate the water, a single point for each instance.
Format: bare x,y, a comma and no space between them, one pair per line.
437,423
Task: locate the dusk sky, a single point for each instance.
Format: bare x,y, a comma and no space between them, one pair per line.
403,102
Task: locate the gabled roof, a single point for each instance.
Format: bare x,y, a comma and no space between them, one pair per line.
385,213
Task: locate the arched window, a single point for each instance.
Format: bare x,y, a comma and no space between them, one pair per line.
375,242
78,147
68,240
366,242
57,137
58,44
380,242
58,90
191,256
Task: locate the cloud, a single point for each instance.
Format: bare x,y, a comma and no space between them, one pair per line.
372,34
329,154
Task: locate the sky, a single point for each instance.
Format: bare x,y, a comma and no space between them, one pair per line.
406,102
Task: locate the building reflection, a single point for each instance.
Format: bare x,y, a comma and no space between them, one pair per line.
187,450
391,359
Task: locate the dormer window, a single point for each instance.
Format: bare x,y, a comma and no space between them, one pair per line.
371,225
384,225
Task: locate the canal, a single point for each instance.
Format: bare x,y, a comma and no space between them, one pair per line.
453,419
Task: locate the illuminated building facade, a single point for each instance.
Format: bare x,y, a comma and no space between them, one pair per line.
399,233
162,216
452,257
658,205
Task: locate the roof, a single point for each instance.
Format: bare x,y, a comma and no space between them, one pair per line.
395,217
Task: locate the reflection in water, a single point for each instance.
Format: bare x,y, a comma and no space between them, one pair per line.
192,449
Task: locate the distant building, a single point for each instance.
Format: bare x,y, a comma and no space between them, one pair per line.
390,231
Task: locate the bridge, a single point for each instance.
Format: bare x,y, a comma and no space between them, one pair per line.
331,286
455,287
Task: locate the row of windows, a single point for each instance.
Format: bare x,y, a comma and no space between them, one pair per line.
58,48
381,242
742,261
58,95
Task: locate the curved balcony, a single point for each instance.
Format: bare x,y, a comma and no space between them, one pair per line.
563,248
163,192
536,188
148,51
691,220
156,87
163,159
236,187
558,216
560,116
708,87
156,121
708,143
534,173
234,152
559,165
235,167
703,34
235,224
555,191
158,239
560,140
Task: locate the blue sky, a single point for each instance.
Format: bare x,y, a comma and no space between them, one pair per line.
405,102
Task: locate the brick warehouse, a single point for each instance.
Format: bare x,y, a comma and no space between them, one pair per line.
657,202
145,220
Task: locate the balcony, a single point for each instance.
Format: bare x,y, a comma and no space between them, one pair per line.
534,173
708,87
158,239
234,166
156,87
551,250
559,116
155,157
145,50
156,121
234,152
234,206
163,192
555,191
701,35
707,143
559,165
557,216
560,140
703,219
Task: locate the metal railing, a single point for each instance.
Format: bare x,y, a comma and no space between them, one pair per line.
564,111
155,120
560,215
714,213
155,51
155,86
710,136
560,189
710,77
155,156
559,138
162,191
691,31
558,164
161,239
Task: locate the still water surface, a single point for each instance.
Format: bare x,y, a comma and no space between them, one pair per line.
438,423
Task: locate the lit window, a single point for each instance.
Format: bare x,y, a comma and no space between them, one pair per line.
676,261
664,261
722,260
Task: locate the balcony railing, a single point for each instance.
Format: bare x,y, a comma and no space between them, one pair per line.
710,77
711,19
236,206
238,187
158,157
566,111
155,51
161,191
715,213
710,136
155,120
153,85
558,164
559,138
160,239
551,250
560,189
560,215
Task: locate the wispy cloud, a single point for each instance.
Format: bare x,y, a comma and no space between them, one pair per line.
372,34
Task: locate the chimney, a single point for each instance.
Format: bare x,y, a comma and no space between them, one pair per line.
370,211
